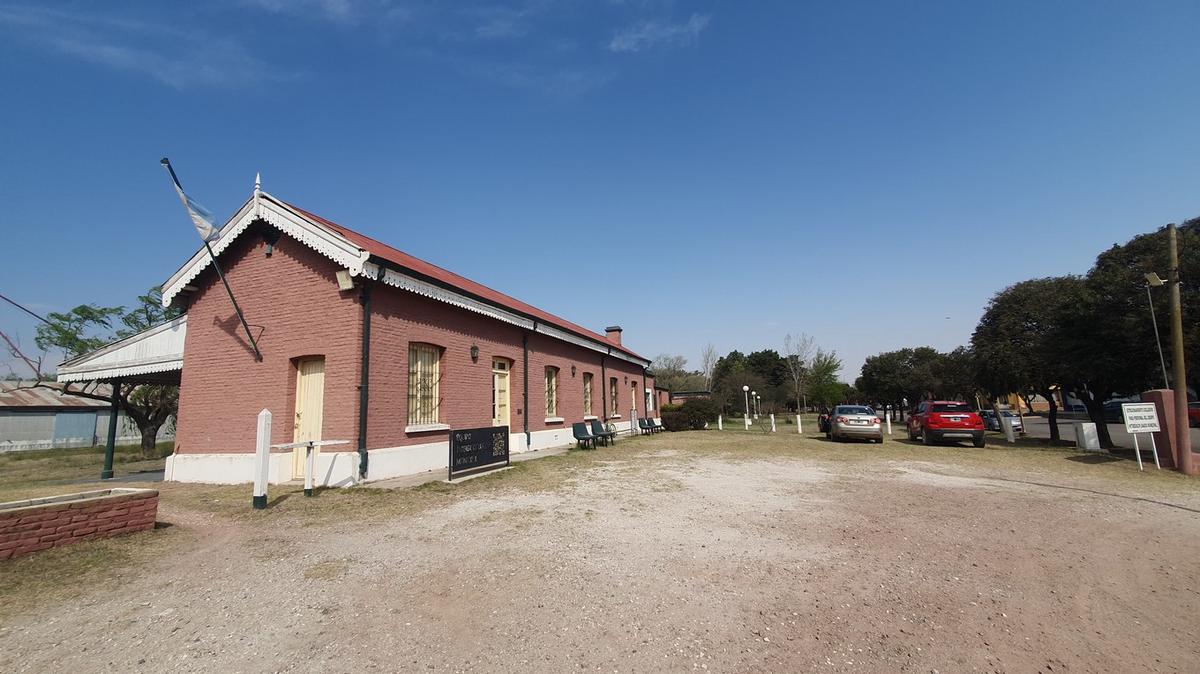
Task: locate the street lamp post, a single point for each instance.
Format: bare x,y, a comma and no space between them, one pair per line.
754,396
746,392
1153,280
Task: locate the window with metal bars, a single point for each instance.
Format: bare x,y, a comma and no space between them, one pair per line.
423,377
551,391
587,394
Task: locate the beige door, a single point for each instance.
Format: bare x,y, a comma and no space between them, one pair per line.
500,374
310,398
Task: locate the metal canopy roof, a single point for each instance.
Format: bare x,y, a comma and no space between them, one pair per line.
153,356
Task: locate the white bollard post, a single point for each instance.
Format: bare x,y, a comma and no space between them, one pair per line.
1009,433
308,469
720,423
262,460
799,425
889,423
747,420
772,423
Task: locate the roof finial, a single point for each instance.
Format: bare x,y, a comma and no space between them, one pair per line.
257,182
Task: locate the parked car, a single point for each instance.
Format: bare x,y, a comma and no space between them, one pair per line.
941,420
1113,413
854,421
992,423
1194,414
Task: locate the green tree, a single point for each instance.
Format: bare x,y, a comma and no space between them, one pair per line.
893,376
824,389
1019,342
87,328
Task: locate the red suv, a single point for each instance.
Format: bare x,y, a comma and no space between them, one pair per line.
941,420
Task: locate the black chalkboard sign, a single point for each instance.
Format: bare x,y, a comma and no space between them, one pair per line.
478,449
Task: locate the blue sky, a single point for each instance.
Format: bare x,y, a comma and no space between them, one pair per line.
867,173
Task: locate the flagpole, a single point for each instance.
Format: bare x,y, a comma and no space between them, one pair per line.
216,265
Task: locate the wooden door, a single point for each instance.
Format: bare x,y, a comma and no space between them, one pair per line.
500,397
310,399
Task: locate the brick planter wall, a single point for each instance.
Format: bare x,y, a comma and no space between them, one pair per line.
38,524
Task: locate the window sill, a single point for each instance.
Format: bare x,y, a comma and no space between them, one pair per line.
554,420
590,417
615,416
426,428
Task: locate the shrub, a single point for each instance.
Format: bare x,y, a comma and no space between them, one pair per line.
691,415
675,420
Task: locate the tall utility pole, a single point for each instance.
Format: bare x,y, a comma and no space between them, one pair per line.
1182,432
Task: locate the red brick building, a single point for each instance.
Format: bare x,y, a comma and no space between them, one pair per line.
364,343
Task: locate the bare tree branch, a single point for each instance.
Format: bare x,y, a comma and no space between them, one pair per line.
797,352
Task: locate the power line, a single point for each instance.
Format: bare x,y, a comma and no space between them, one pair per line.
2,297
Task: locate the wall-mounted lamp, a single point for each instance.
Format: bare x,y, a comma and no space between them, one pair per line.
572,370
271,237
474,354
345,280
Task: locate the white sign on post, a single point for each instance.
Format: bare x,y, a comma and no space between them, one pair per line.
1141,418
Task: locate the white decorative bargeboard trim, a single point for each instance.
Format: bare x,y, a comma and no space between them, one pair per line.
274,212
355,260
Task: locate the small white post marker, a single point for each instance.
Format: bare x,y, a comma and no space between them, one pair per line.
309,457
772,423
888,416
262,460
747,420
799,425
720,423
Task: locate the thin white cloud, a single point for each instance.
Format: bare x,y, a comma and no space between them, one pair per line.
341,11
652,34
165,53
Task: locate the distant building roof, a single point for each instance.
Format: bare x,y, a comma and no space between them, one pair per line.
29,396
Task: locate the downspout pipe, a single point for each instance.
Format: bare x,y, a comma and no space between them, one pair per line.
644,396
604,385
525,383
364,396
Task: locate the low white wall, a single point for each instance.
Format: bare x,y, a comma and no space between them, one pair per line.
340,469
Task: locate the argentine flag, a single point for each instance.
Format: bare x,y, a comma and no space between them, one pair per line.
202,218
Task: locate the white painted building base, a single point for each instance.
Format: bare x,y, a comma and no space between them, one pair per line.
340,469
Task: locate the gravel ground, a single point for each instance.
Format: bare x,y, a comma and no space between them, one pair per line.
650,557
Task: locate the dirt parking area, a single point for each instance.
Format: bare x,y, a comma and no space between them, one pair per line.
700,551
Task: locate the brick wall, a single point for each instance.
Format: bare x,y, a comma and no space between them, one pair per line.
292,303
292,300
399,317
39,524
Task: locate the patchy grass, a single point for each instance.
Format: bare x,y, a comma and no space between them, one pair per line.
328,570
197,511
62,573
56,469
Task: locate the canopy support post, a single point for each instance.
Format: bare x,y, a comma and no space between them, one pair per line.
111,444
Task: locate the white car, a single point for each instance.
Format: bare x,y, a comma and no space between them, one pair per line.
991,423
854,421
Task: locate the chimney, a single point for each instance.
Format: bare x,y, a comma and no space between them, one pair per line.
613,333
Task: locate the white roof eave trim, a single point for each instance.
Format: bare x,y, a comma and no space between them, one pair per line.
275,213
347,254
412,284
157,349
